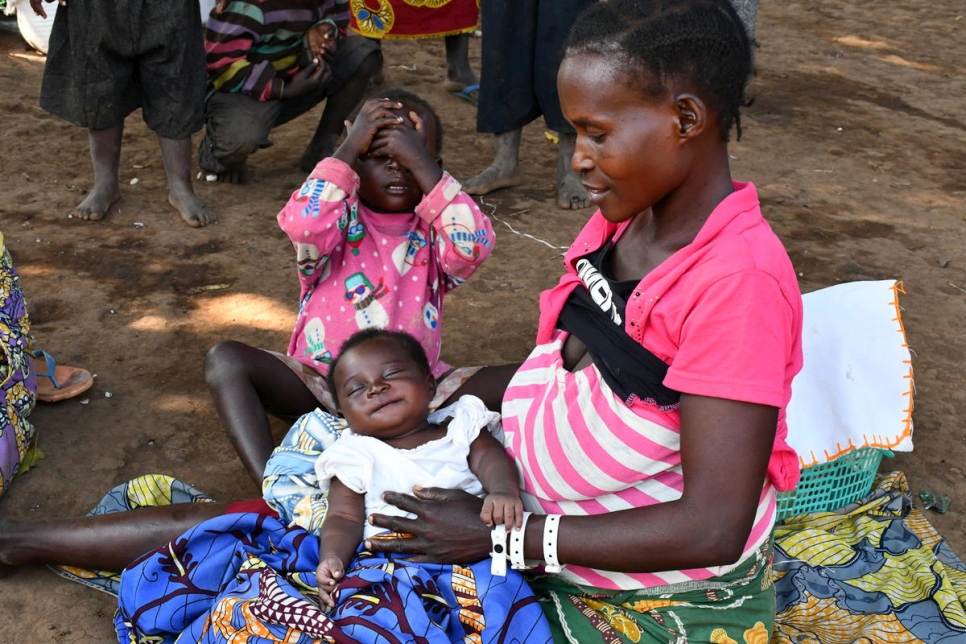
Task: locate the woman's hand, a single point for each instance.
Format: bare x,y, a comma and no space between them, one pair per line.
447,527
322,41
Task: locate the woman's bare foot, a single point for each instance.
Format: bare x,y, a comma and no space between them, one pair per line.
97,202
571,194
495,177
504,172
189,206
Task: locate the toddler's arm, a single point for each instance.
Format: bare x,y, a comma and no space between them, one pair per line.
339,537
466,232
499,476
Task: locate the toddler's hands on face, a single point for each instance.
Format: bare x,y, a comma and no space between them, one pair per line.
502,508
405,142
327,576
376,114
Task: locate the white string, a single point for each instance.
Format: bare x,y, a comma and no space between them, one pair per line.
492,215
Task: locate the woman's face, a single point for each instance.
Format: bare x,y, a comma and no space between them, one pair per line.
627,150
382,391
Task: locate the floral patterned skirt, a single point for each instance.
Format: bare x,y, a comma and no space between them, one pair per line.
18,384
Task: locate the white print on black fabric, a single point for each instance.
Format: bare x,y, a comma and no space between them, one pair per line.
599,289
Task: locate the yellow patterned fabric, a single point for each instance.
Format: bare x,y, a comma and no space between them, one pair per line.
874,571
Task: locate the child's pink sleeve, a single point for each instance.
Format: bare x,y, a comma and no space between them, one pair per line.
464,236
317,214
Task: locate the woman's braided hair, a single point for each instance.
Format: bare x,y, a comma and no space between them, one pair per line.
654,41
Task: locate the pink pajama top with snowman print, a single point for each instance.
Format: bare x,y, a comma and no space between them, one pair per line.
359,268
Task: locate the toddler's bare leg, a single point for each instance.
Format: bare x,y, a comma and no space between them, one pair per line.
571,193
504,172
245,383
103,542
106,156
176,154
459,74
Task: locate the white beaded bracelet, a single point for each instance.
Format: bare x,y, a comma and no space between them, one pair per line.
498,551
551,531
516,545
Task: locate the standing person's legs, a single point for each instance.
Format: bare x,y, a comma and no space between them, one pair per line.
89,81
356,60
507,100
176,154
171,66
460,76
106,157
246,384
103,542
554,20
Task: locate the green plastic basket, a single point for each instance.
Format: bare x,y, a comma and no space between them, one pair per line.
829,486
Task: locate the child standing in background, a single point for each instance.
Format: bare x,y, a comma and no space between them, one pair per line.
381,234
105,60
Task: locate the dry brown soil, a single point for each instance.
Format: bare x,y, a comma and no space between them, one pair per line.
855,139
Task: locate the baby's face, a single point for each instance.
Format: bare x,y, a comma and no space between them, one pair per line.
382,391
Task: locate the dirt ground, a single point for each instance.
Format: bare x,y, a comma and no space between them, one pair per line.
855,139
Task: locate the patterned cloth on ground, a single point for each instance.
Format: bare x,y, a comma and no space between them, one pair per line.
18,384
875,571
150,490
246,577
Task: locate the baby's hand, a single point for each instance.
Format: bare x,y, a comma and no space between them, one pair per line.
376,113
502,508
327,576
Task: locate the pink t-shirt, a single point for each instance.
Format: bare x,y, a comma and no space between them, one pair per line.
725,313
359,268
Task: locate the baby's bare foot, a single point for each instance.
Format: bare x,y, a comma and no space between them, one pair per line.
189,206
97,202
495,177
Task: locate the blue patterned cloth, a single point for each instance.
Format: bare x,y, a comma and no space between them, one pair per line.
246,577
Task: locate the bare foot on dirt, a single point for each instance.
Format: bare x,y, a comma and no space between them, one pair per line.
96,203
571,194
189,206
495,177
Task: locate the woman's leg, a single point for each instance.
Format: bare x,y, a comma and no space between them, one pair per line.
102,542
459,73
245,383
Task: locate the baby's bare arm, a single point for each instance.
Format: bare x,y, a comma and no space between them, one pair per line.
341,533
499,476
